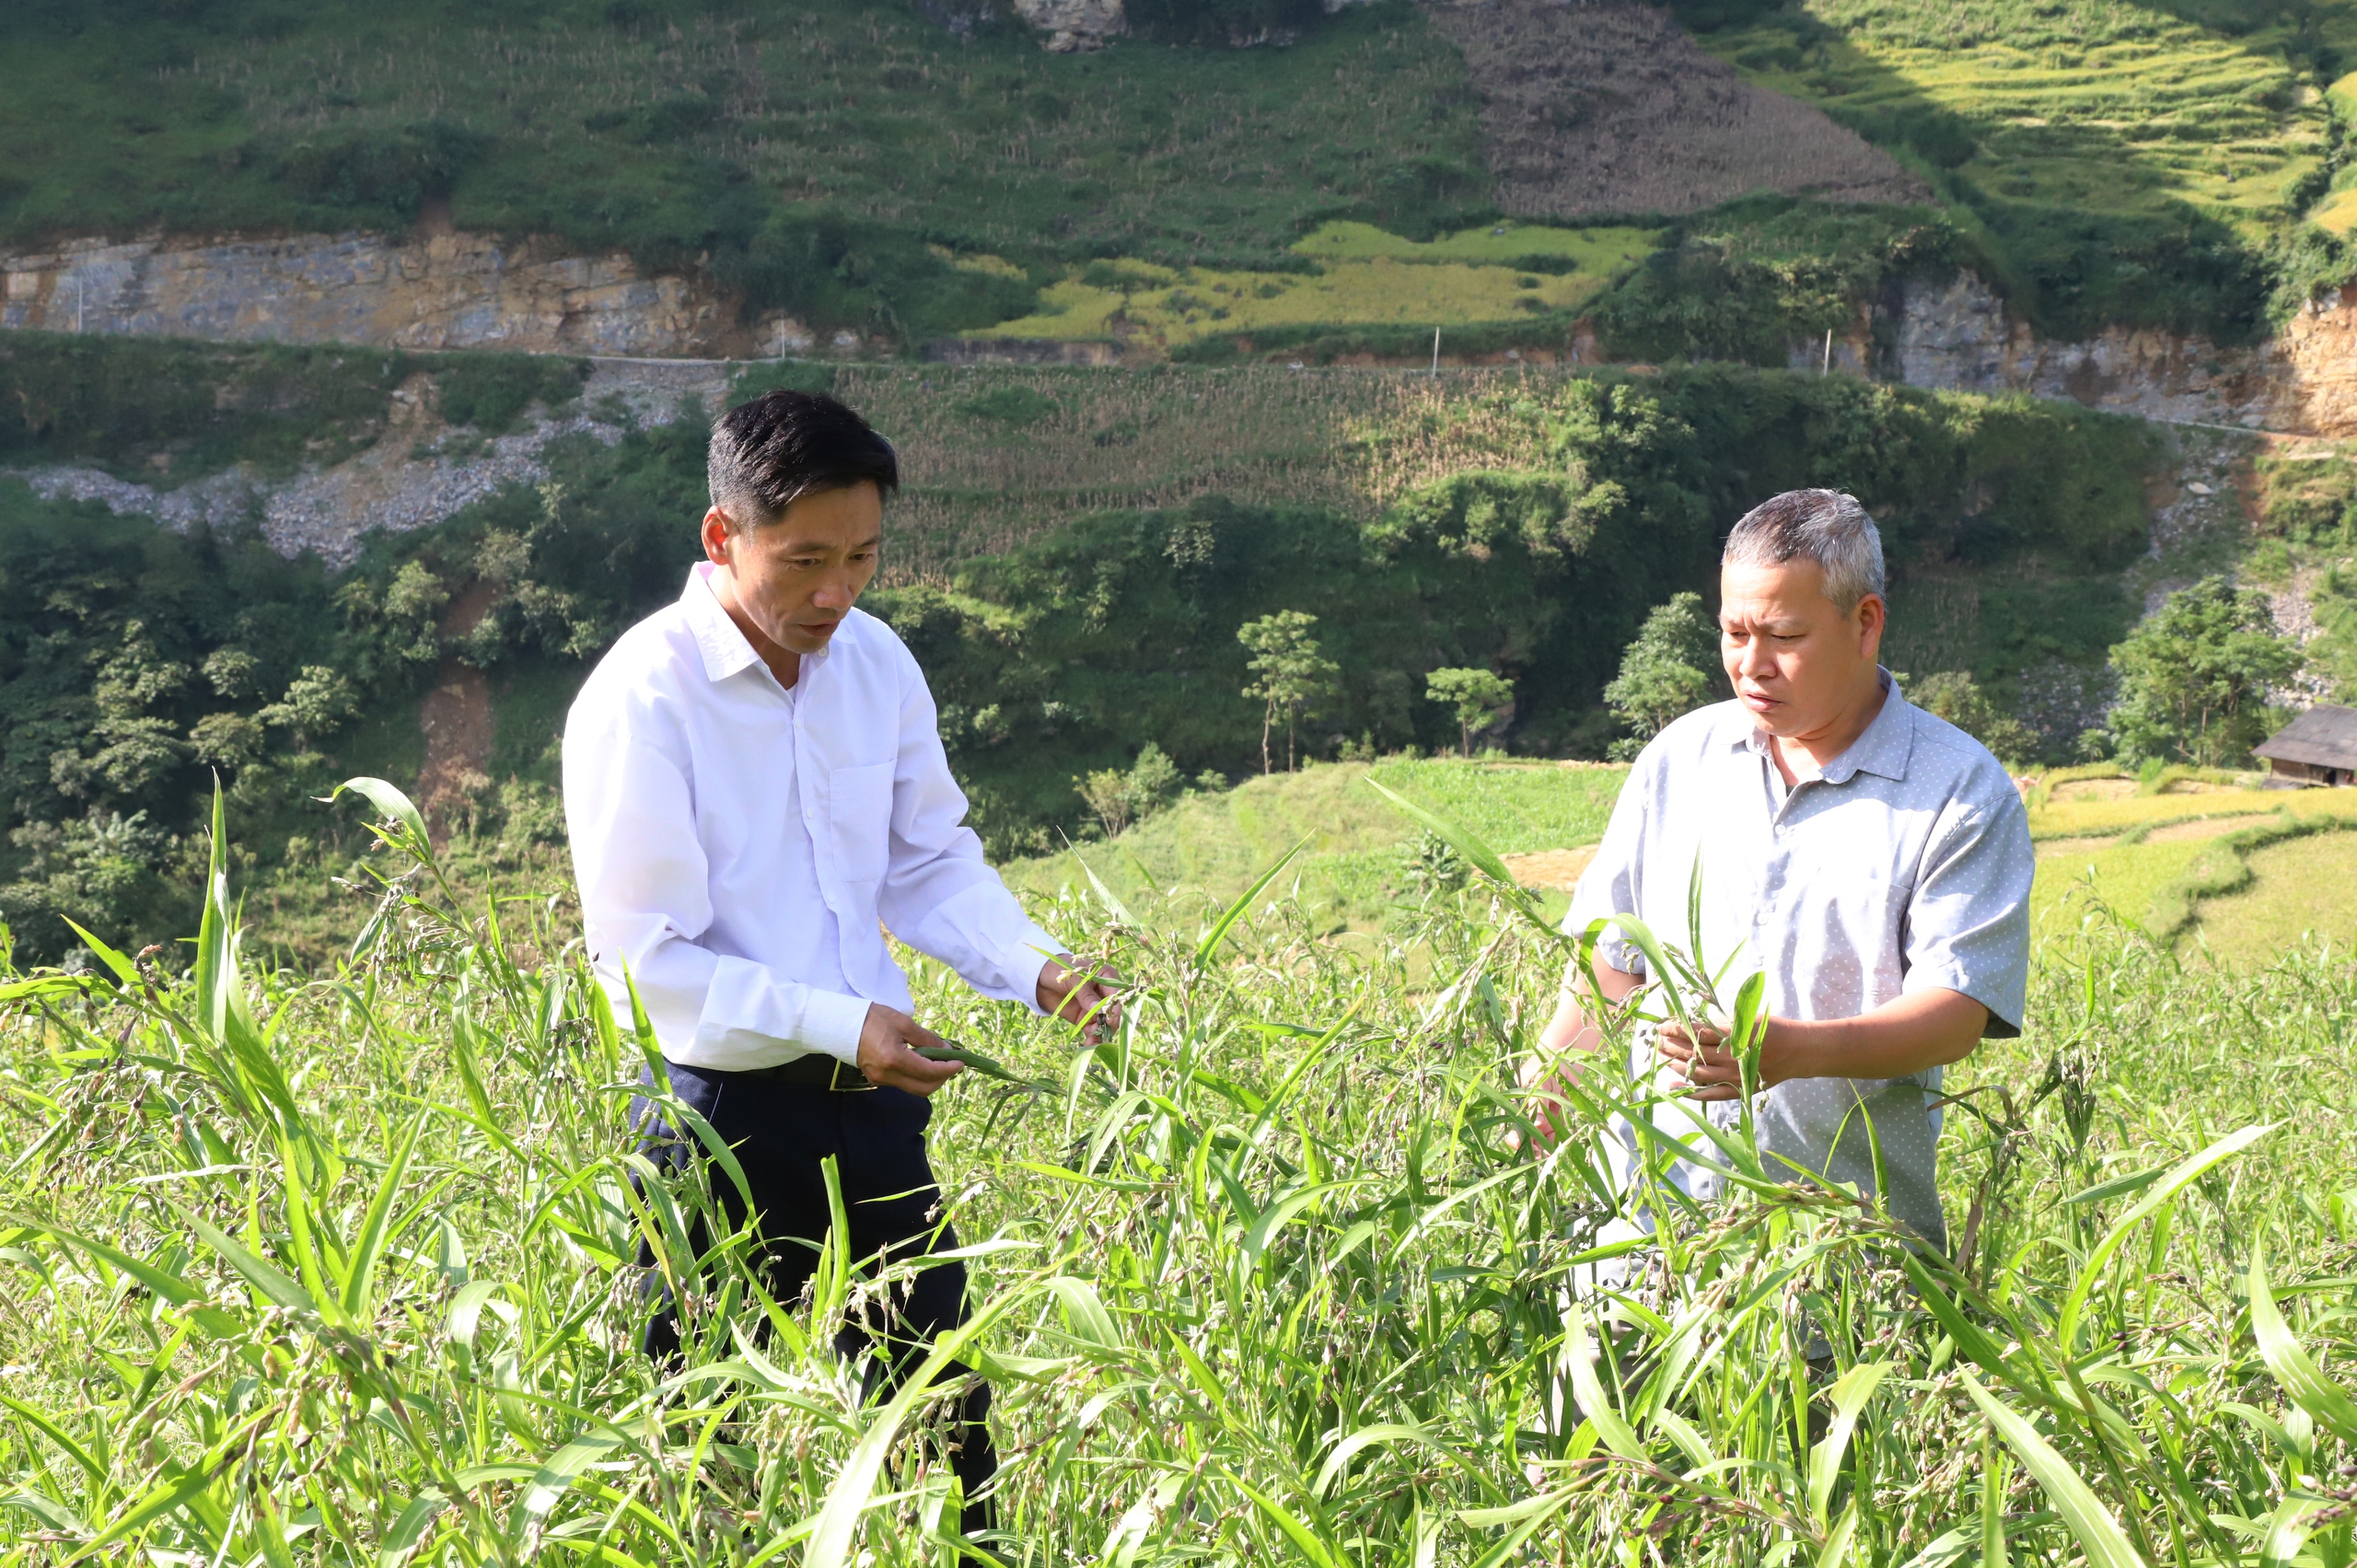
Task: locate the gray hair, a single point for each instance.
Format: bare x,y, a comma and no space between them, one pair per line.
1823,525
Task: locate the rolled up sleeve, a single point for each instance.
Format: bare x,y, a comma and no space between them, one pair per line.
646,903
939,895
1968,922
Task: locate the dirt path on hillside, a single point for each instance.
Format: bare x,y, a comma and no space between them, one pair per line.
1613,109
458,722
1551,869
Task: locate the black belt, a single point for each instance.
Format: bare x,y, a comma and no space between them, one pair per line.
816,1071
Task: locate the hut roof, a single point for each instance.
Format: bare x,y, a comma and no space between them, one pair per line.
2322,737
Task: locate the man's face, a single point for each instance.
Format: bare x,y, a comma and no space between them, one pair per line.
797,577
1796,660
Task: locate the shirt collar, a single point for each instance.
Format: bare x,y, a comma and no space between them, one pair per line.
724,649
1883,750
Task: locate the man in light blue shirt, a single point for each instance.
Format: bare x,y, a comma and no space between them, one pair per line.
1872,861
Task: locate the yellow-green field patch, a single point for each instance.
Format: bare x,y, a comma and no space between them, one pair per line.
2127,877
1207,848
1172,308
2089,819
1603,251
2307,886
1366,278
2104,107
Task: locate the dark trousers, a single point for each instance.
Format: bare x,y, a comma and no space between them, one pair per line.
780,1133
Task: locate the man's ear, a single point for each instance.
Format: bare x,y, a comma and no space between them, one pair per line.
1874,615
716,534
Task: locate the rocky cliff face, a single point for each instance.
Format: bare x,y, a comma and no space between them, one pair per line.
1957,336
1067,25
443,292
403,480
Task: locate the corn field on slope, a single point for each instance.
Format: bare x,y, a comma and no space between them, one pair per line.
340,1270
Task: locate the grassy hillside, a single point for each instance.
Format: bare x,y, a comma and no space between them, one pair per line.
872,166
1353,864
835,160
1080,549
2150,163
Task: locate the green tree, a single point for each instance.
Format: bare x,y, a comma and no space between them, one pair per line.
1670,669
1118,798
1290,675
2195,676
317,701
226,740
1955,696
1479,696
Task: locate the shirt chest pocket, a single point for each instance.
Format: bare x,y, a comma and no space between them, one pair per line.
859,808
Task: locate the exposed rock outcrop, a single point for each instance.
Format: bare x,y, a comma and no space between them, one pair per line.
1957,336
441,292
1070,25
402,481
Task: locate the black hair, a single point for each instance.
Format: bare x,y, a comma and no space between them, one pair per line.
770,452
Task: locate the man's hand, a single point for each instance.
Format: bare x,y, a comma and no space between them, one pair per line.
1907,1034
888,1055
1088,1000
1703,1059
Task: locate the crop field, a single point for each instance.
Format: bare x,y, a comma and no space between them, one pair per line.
996,456
2093,103
1365,276
345,1268
2222,868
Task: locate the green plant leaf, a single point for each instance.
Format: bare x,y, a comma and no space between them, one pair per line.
2169,1186
2090,1523
2301,1377
1235,911
1850,1395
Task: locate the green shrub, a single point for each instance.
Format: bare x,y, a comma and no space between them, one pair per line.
379,177
491,391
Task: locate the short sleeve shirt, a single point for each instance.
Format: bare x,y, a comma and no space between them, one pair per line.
1904,866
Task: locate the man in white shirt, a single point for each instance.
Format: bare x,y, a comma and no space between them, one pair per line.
754,785
1872,861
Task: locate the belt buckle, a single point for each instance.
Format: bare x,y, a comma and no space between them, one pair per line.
835,1084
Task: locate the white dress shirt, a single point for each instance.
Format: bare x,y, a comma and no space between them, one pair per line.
1904,866
737,842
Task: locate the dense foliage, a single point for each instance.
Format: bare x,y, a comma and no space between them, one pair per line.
2195,677
156,408
344,1268
1756,279
1536,521
1670,667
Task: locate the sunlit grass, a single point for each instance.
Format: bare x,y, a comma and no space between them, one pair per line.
340,1270
1605,251
1207,848
1171,308
2305,891
2105,106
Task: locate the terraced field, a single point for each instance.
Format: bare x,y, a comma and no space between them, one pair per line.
2091,103
2243,872
1364,276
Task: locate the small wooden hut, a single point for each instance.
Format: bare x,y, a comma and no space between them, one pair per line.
2318,748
